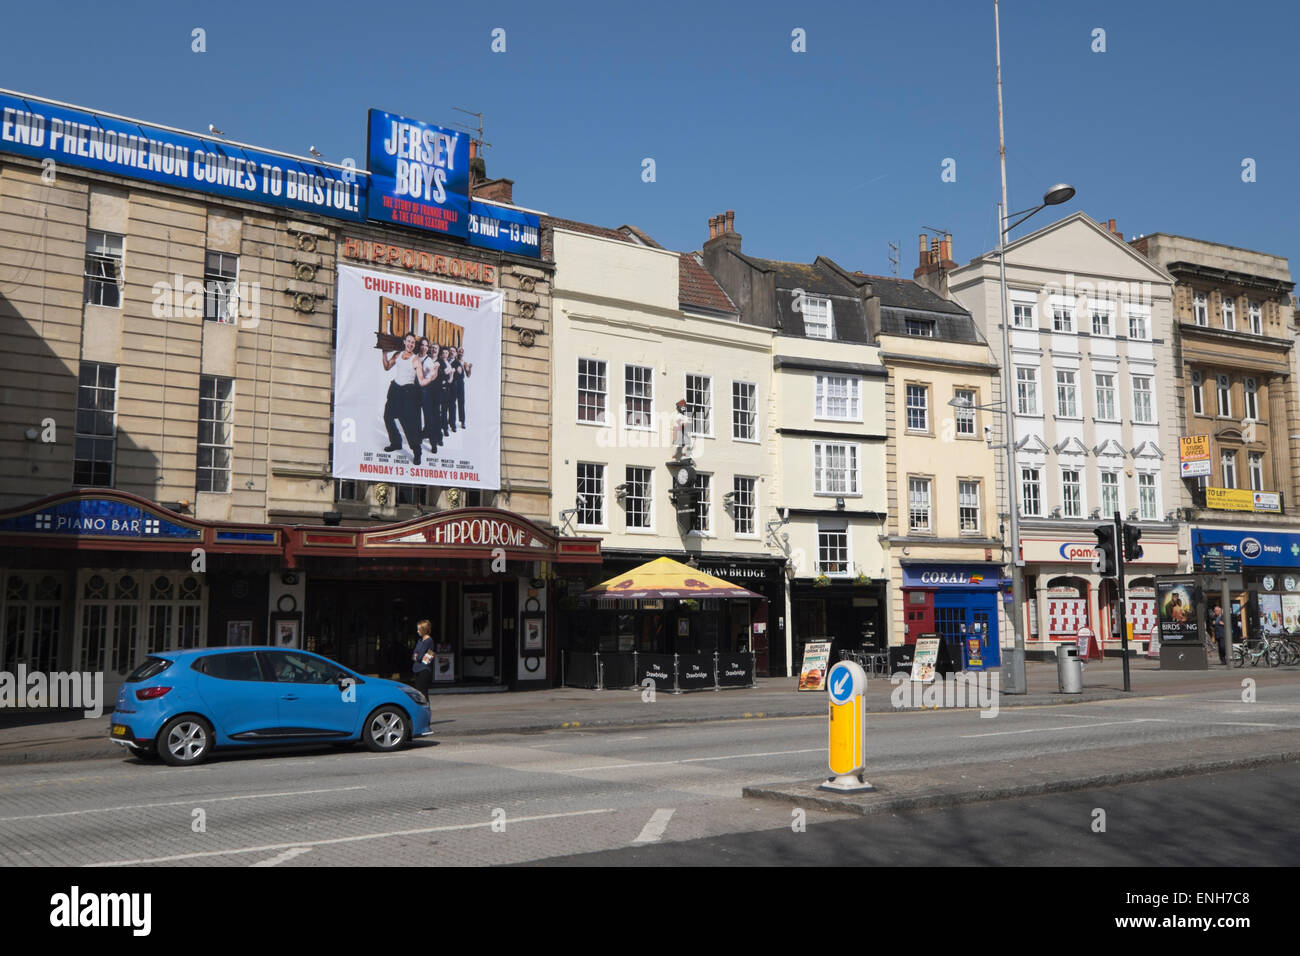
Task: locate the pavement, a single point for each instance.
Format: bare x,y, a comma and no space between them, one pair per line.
28,736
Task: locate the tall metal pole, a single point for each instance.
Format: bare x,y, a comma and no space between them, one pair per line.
1013,677
1002,143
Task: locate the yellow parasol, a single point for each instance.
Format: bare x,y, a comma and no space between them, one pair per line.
666,578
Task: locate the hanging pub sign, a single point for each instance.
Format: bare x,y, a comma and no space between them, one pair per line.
1178,607
419,174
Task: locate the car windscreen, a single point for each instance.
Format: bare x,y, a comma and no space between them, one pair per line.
152,667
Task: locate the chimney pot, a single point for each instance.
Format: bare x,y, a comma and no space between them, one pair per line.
713,227
731,220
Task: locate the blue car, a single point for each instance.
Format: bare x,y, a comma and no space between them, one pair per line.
180,705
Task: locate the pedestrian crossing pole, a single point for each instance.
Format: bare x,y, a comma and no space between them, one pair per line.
1119,590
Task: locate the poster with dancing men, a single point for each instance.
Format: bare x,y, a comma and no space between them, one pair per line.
417,375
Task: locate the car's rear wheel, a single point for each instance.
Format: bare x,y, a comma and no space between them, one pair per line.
386,729
185,740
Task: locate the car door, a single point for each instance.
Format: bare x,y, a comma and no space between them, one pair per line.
310,701
241,702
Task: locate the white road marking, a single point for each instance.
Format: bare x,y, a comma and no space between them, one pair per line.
1241,723
194,801
284,857
654,829
267,848
669,763
1043,730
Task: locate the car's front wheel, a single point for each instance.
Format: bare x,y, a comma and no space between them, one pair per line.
386,729
185,740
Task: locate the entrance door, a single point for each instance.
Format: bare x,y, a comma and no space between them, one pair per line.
740,626
962,618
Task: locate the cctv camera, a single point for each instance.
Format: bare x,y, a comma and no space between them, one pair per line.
988,432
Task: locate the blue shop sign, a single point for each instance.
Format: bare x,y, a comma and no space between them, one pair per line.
1261,549
97,517
966,576
506,230
123,147
419,174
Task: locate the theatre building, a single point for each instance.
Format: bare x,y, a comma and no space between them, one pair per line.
199,389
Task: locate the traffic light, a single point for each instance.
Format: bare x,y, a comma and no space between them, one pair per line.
1105,563
1132,550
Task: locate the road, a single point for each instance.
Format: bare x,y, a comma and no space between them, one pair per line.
519,798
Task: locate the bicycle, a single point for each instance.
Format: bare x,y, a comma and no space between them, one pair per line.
1268,650
1288,646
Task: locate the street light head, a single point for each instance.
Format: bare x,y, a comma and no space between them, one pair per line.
1058,194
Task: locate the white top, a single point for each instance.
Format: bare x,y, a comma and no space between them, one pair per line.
429,364
404,370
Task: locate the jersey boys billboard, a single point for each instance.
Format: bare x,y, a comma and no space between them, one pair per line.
417,374
419,174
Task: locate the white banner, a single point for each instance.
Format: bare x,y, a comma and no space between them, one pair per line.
408,414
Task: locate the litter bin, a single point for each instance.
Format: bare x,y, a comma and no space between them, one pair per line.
1069,673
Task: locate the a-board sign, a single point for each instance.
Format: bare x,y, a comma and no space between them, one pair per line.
816,657
925,658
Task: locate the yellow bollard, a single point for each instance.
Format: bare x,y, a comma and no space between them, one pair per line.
847,728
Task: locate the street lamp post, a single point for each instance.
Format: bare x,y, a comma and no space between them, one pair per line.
1013,672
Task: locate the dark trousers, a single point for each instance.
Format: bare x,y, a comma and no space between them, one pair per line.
403,405
460,402
429,406
422,680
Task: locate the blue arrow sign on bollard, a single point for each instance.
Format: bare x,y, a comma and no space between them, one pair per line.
840,683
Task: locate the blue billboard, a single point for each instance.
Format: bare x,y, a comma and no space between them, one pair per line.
506,230
108,144
419,174
1272,549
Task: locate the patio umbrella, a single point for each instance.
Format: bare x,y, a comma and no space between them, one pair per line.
666,578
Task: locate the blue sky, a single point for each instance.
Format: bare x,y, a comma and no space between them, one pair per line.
835,151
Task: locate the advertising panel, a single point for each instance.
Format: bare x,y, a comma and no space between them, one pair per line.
1178,606
1290,612
1230,499
417,374
1194,456
816,656
1270,613
419,174
508,230
109,144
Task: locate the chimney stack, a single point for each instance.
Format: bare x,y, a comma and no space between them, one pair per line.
722,228
936,263
1110,225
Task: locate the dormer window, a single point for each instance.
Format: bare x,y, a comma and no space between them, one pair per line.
818,322
921,327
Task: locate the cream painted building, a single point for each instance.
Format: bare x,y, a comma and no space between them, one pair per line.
828,391
945,536
638,328
1095,423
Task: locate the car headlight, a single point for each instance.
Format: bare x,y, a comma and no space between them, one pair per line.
416,696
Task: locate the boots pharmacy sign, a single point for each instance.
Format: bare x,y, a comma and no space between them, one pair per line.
417,374
419,174
43,130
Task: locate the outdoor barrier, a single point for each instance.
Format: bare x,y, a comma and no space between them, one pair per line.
670,672
697,672
658,668
735,670
581,670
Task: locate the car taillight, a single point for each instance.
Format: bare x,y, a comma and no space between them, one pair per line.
151,693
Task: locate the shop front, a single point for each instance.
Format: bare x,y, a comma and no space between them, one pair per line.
693,626
959,603
1259,571
1064,595
850,613
484,578
96,580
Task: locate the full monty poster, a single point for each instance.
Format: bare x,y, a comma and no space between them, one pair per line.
393,398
